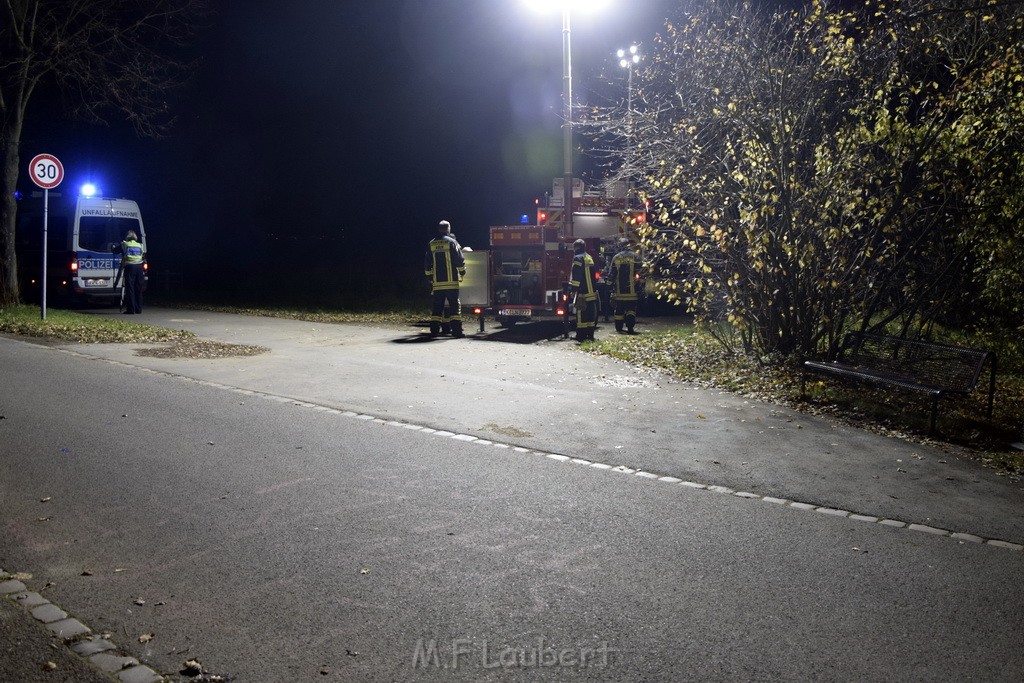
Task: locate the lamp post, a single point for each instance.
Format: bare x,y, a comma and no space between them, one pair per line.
627,58
566,6
567,123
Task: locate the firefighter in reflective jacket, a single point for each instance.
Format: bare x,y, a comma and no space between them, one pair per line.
624,286
583,282
445,268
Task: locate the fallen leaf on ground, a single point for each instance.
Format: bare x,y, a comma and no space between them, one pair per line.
192,667
145,637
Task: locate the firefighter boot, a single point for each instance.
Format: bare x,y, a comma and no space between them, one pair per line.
457,329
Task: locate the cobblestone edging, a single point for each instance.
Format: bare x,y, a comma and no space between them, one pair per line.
105,656
79,638
796,505
622,469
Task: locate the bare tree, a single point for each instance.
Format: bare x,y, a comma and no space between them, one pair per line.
108,58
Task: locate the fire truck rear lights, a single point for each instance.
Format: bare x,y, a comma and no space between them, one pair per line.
478,311
559,311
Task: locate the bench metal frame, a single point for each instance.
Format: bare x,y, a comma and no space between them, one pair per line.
936,369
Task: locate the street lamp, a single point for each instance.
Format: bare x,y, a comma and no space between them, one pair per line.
627,58
566,6
566,123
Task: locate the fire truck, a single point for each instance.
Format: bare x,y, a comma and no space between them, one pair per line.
524,274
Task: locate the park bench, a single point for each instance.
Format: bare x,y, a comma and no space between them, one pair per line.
935,369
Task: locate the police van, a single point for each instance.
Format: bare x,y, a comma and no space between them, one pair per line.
84,236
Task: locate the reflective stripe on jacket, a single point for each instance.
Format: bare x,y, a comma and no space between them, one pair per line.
583,280
132,253
623,275
444,264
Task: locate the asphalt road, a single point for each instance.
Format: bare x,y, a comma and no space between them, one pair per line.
297,516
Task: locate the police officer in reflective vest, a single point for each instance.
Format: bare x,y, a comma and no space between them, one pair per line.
624,286
583,282
445,268
132,256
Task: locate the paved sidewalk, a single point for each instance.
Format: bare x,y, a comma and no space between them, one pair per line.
543,393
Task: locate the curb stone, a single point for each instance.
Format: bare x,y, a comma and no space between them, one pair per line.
714,488
78,638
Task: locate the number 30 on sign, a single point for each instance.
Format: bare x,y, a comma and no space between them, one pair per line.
46,171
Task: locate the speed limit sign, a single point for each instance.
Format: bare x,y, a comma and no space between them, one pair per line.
46,171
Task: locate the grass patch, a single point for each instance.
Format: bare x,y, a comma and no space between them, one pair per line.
397,316
688,354
63,326
68,326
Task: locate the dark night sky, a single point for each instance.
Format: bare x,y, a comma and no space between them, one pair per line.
322,130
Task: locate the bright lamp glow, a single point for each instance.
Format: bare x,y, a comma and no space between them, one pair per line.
628,57
573,5
87,190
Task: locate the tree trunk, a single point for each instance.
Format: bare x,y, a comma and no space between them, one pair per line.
10,142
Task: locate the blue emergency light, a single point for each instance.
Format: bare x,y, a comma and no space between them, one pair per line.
87,190
524,219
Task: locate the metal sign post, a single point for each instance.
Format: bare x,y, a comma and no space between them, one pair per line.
46,172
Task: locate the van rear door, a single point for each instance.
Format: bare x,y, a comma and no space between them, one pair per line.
101,224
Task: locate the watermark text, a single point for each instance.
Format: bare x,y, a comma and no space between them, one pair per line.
469,653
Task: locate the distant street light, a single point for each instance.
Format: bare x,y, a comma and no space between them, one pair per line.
627,58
